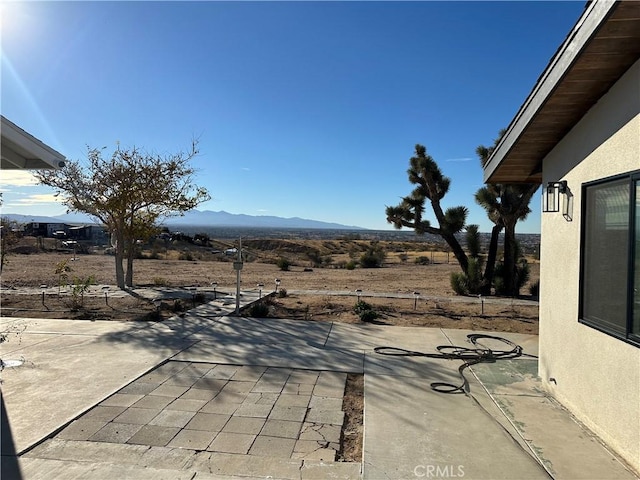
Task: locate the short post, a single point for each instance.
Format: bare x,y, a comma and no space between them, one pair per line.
106,298
43,304
415,300
481,304
358,292
277,284
260,286
194,292
214,285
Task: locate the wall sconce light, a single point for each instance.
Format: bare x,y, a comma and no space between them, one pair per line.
551,199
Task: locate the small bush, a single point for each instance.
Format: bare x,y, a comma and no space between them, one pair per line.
459,283
282,293
283,264
259,310
350,265
422,260
365,311
160,281
186,255
534,288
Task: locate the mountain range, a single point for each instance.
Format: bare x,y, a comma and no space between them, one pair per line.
200,218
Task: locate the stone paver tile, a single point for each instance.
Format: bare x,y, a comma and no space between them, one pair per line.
170,368
249,425
249,373
278,372
154,435
181,380
115,433
172,418
325,403
103,413
139,388
253,410
137,416
330,417
303,376
268,386
192,439
224,408
199,394
165,390
321,455
332,378
154,402
272,447
228,442
298,388
209,383
230,397
186,405
81,429
328,391
308,446
320,432
293,414
281,428
261,398
121,400
197,369
224,372
288,400
211,422
154,377
238,386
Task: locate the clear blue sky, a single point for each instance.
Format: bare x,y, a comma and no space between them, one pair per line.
307,109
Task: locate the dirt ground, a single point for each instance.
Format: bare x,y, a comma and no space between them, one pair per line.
396,276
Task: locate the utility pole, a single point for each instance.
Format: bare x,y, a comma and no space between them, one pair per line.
237,265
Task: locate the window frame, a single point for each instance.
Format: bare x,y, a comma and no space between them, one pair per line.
628,336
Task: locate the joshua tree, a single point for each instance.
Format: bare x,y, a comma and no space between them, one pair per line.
505,204
432,186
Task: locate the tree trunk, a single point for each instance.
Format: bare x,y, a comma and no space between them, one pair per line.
119,268
457,250
491,260
130,254
510,252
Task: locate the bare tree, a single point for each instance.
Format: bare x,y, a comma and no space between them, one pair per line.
128,192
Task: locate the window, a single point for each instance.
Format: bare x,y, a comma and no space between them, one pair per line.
610,276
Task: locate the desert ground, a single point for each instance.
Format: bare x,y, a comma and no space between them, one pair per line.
437,305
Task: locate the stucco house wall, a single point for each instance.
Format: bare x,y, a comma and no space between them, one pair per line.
594,374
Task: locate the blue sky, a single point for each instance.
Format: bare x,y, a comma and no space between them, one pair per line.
307,109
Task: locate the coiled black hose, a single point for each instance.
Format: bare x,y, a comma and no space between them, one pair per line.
470,356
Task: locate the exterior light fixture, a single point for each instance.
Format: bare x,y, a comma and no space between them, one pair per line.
214,285
551,199
260,287
277,284
416,295
358,292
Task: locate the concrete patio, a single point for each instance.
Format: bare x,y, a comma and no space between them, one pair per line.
212,396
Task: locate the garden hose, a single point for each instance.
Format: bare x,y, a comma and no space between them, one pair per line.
470,356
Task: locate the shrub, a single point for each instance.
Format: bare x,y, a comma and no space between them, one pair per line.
350,265
283,264
160,281
373,257
459,283
186,255
282,293
422,260
259,310
365,311
534,288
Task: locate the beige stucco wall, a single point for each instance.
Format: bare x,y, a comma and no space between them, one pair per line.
597,377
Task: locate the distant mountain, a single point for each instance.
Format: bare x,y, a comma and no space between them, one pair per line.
202,218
